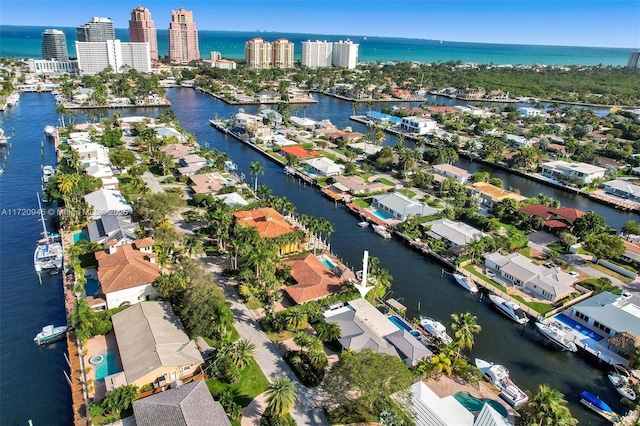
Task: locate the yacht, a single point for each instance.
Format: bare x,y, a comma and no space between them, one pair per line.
465,282
556,335
510,309
48,254
498,376
435,328
382,231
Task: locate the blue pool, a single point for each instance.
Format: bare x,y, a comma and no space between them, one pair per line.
80,236
107,367
578,327
474,404
91,287
382,215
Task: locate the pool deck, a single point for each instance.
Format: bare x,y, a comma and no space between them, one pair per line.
446,386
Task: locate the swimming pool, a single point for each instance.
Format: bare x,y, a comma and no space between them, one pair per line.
474,404
578,327
91,287
382,215
107,367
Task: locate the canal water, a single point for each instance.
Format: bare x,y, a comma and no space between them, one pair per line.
417,280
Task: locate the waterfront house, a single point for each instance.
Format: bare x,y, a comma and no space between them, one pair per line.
107,201
189,405
105,174
154,348
447,170
91,154
269,224
400,206
555,220
418,125
489,194
324,166
362,326
126,273
314,279
121,229
623,189
456,234
176,150
191,164
537,280
586,173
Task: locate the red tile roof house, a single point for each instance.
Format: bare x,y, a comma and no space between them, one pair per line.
555,220
126,273
269,224
314,279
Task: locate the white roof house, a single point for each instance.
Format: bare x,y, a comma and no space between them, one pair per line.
400,206
457,233
324,166
447,170
585,172
108,201
548,283
624,189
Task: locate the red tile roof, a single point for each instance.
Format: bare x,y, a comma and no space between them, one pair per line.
267,221
126,268
314,279
300,152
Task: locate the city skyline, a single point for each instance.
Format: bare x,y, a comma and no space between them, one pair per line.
593,23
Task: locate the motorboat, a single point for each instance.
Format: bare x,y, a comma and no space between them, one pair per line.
597,405
435,328
49,131
465,282
498,376
619,378
556,336
48,254
382,231
363,224
50,334
47,173
510,309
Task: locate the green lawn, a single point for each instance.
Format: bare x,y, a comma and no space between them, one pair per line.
251,384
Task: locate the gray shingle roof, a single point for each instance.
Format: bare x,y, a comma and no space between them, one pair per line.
151,336
187,405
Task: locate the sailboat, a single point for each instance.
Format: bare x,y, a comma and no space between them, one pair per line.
48,254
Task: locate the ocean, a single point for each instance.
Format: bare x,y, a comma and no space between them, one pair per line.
25,42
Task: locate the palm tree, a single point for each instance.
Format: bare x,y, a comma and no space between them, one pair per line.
328,331
242,352
281,396
464,326
256,168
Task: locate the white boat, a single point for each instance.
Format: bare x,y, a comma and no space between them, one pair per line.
382,231
49,131
47,173
50,334
363,224
556,336
465,282
48,254
510,309
498,376
620,380
435,328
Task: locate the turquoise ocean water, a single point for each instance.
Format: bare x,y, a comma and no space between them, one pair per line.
25,42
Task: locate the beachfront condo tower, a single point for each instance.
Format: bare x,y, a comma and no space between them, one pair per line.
258,53
142,29
345,54
183,37
316,54
98,29
54,45
282,53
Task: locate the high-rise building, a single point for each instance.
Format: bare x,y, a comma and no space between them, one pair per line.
54,45
282,55
316,54
142,29
94,57
634,59
98,29
345,54
258,53
183,37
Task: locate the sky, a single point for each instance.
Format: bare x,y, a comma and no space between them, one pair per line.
598,23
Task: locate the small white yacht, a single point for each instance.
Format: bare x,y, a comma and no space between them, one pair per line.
510,309
465,282
498,376
556,335
435,328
